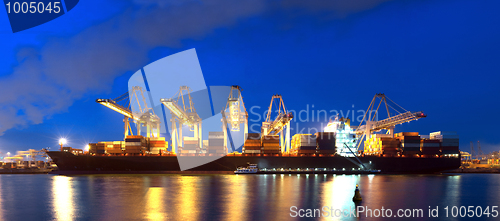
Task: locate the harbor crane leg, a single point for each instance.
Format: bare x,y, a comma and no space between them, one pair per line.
287,147
282,142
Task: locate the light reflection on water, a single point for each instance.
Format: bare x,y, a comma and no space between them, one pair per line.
62,201
232,197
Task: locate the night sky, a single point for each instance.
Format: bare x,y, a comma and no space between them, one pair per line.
440,56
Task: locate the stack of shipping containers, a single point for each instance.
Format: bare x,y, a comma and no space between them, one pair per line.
92,148
115,147
157,145
410,143
325,142
382,144
100,148
135,145
430,147
303,144
252,144
270,144
386,145
216,143
191,145
449,143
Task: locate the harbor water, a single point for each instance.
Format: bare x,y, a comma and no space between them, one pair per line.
248,197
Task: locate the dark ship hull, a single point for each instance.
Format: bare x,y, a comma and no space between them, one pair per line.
85,164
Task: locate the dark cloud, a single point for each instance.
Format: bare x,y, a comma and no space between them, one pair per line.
47,80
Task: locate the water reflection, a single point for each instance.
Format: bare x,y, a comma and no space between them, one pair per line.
155,204
239,197
236,191
188,196
62,202
1,201
337,197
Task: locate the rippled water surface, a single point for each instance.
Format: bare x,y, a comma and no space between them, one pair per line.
238,197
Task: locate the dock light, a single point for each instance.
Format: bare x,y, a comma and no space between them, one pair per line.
62,141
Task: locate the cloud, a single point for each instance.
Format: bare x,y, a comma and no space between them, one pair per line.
49,79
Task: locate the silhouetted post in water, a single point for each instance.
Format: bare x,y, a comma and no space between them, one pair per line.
357,195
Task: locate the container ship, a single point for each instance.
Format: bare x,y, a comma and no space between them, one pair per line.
333,150
171,132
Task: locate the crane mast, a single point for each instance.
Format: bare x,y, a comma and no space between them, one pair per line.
281,122
183,113
234,114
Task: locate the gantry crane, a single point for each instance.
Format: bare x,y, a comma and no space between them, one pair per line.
371,125
480,154
234,114
281,122
141,116
472,152
32,154
183,113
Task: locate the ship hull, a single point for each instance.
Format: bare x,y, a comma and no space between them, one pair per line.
85,164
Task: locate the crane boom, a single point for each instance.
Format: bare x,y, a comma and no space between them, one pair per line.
279,123
142,114
177,111
392,121
116,107
371,125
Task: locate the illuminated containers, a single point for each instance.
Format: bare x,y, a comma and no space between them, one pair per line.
135,145
216,143
92,148
157,145
303,141
410,142
382,144
9,165
100,148
303,144
115,147
270,144
252,144
191,145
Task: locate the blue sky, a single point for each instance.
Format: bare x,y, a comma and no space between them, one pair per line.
439,56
